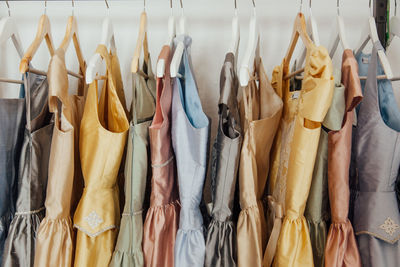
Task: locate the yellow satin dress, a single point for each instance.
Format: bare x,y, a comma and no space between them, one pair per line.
103,135
294,155
260,110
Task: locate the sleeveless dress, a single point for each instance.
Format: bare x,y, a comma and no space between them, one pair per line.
221,246
19,248
12,121
294,158
103,134
190,134
128,251
376,149
341,247
261,110
55,237
162,219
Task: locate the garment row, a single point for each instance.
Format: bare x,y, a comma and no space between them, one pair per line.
296,165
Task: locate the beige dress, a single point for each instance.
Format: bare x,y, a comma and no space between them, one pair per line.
54,243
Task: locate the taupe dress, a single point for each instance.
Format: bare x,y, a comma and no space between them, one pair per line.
32,175
221,247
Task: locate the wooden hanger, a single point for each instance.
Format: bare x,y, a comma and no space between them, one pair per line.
72,34
340,36
299,30
139,44
372,35
247,62
43,33
169,42
95,63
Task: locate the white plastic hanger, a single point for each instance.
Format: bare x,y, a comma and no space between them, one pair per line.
169,42
233,48
372,35
395,22
9,30
312,30
340,36
107,38
177,58
247,62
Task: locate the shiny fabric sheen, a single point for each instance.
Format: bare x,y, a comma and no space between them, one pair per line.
314,99
376,213
128,250
162,218
12,121
221,246
55,238
32,175
190,133
261,110
341,247
103,134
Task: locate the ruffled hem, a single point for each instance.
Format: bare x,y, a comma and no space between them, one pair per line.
54,244
127,259
318,231
341,246
160,229
5,221
250,238
221,244
294,244
189,248
22,238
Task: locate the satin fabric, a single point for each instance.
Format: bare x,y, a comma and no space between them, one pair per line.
162,219
376,150
303,113
32,174
261,110
12,121
341,247
128,250
55,237
317,207
102,139
221,245
190,133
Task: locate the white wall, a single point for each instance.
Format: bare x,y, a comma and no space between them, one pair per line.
209,24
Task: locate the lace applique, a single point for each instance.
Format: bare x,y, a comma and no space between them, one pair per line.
389,226
93,219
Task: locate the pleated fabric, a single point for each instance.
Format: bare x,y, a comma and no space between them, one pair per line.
341,247
128,251
12,121
376,154
103,134
162,218
260,110
221,245
303,114
190,134
19,247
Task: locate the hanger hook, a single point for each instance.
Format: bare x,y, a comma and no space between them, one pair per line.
301,6
144,5
235,3
108,7
73,7
338,7
8,6
181,6
370,8
45,7
254,3
395,7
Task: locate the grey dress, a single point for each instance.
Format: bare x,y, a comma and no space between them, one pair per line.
190,132
376,162
221,247
19,248
12,121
